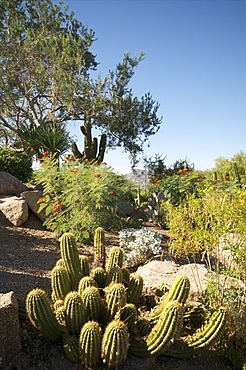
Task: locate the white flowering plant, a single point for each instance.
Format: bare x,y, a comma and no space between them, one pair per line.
139,245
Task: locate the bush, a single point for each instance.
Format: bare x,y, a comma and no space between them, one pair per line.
16,163
78,198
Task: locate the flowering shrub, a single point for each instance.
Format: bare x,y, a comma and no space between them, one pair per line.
80,197
139,245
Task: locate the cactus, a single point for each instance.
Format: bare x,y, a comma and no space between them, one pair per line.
84,265
179,291
237,176
115,258
86,282
71,347
128,314
135,288
114,305
42,316
99,275
161,334
75,312
115,300
114,275
93,302
70,256
90,343
115,343
60,283
202,339
99,247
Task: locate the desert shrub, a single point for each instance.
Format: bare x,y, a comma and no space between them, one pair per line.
16,163
81,197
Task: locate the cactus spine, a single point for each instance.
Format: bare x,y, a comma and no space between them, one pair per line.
90,343
115,343
60,283
99,275
203,339
99,247
128,314
115,258
75,312
114,275
115,300
84,265
42,316
161,334
92,300
135,289
86,282
71,347
70,256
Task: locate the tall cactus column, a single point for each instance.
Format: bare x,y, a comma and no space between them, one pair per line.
71,259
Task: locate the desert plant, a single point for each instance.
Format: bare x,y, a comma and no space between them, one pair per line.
16,163
109,318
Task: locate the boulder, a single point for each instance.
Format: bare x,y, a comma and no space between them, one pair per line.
156,272
31,198
15,209
9,330
10,185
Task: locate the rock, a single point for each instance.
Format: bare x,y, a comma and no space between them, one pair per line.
9,330
10,185
156,272
31,198
227,244
15,209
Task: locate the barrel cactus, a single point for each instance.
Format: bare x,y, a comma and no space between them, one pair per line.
101,313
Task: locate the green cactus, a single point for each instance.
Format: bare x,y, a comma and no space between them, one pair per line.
61,315
70,256
71,347
99,247
99,275
90,340
93,302
76,313
194,317
115,343
135,289
143,326
114,275
126,277
86,282
84,265
161,334
179,291
42,316
237,176
60,263
58,303
115,300
202,339
115,258
60,283
128,314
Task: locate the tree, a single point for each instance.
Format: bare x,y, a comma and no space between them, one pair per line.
224,167
47,63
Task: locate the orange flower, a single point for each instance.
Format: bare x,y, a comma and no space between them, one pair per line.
40,200
105,163
95,164
97,175
46,153
183,182
74,171
70,159
185,170
57,206
180,171
200,179
113,193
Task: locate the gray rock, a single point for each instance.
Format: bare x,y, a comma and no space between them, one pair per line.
156,272
9,330
15,209
10,185
31,198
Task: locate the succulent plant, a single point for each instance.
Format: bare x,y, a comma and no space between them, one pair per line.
99,248
101,314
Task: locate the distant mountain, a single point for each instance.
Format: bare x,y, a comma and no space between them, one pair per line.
139,177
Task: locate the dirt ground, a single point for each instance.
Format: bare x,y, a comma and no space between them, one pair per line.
28,254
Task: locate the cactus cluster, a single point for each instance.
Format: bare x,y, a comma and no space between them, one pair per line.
100,313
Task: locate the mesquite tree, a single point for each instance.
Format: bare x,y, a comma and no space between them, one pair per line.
46,66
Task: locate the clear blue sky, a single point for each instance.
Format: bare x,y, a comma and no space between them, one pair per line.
195,67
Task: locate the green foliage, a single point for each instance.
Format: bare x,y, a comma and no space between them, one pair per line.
224,167
81,197
18,164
